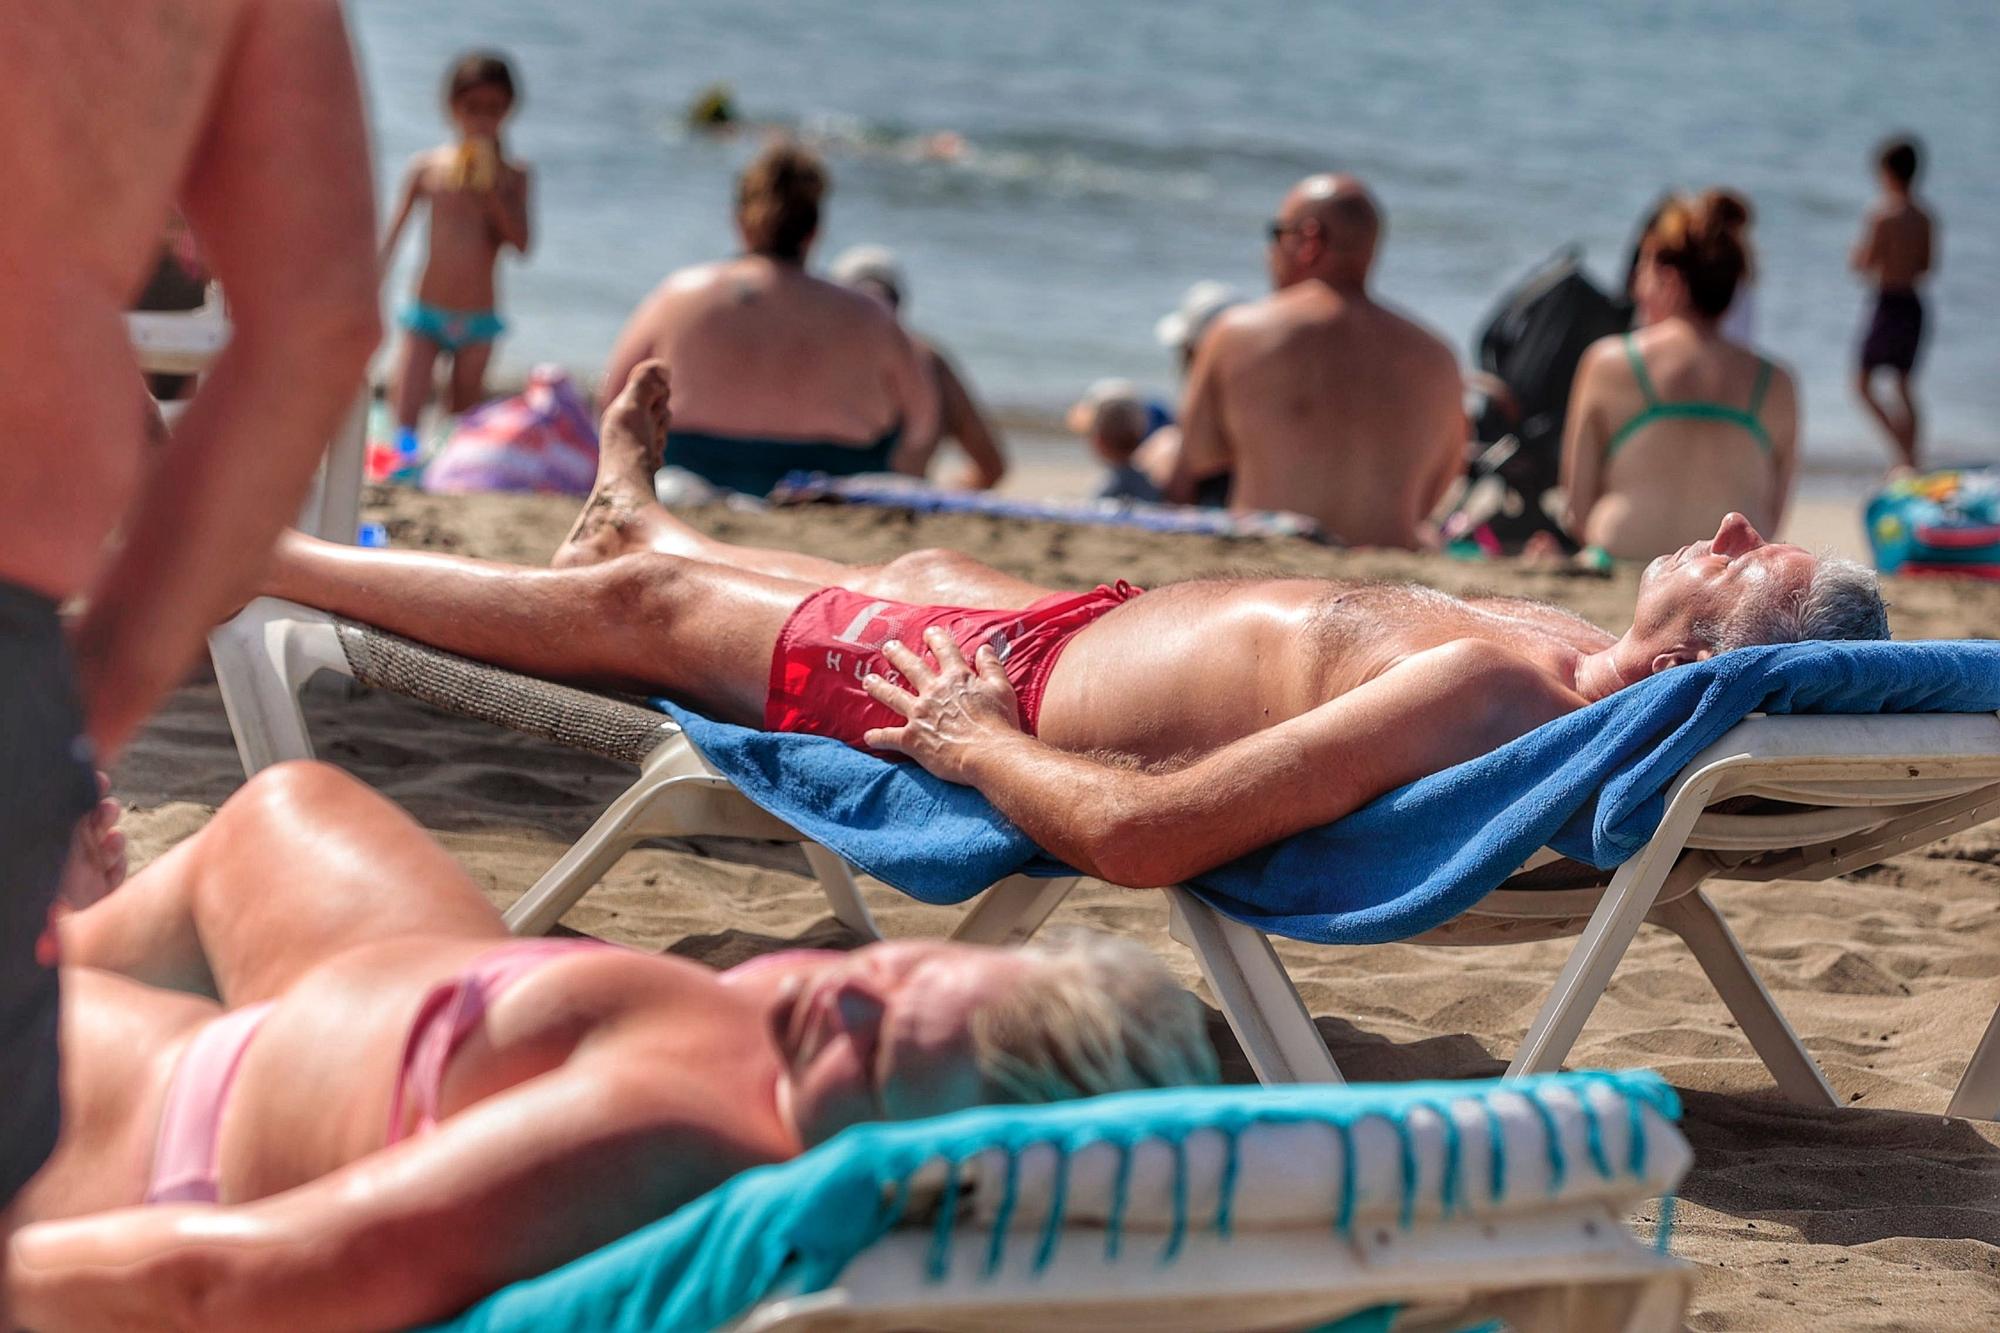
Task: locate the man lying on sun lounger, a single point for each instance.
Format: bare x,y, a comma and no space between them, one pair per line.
1140,738
397,1108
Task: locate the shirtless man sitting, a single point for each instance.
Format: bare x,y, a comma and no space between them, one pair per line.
1322,401
778,370
1076,713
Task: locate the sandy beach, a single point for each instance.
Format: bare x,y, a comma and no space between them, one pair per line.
1864,1219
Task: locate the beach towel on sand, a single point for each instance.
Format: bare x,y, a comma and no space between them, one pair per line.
1592,785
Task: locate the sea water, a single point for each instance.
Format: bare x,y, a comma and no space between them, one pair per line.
1110,152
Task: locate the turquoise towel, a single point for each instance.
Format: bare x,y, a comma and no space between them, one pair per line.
797,1224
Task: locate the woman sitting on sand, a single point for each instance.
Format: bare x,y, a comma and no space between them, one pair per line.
776,370
1673,426
396,1108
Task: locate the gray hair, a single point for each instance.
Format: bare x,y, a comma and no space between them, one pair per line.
1842,600
1095,1014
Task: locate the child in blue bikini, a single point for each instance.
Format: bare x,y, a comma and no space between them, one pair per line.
478,204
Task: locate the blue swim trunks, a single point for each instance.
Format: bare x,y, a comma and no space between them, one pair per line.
453,330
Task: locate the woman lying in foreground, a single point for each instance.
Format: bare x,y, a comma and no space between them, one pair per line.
396,1108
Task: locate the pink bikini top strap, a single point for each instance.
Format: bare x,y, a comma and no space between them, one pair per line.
449,1014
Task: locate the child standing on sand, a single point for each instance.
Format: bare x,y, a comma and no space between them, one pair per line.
1896,250
478,203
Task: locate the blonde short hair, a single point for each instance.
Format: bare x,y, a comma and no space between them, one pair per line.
1095,1014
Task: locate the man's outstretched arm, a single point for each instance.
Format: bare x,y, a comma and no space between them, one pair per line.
280,195
1150,829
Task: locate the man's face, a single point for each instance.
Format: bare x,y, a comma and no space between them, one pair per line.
1285,233
884,1033
1711,582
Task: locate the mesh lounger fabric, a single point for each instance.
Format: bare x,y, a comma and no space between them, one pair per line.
601,724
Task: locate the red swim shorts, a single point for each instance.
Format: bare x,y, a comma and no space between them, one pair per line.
835,638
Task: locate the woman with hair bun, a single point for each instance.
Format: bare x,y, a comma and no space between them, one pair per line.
775,370
1674,425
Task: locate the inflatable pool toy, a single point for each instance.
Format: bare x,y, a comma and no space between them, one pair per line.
1938,523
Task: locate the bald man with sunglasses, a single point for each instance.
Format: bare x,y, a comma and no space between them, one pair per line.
1321,400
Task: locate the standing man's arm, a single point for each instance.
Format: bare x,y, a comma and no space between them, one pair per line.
1866,256
279,193
1204,451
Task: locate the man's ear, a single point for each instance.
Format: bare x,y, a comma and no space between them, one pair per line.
1680,656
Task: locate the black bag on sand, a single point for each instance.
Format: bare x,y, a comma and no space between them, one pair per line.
1532,343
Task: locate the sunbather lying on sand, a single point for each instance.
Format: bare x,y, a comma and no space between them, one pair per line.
396,1107
1140,738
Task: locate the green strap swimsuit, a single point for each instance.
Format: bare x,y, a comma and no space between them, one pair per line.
1693,409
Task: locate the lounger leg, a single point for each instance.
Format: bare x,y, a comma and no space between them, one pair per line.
262,657
843,895
1978,1094
1617,919
586,862
1256,994
677,795
1013,910
1708,937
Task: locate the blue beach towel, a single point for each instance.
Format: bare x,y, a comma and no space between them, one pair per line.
1592,785
794,1226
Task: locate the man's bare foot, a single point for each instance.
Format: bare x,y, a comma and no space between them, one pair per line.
632,439
97,853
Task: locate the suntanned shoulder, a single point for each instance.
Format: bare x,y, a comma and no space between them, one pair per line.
1507,694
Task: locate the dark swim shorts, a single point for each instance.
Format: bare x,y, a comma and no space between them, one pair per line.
1894,332
46,785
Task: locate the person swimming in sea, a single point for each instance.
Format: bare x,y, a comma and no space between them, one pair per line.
478,201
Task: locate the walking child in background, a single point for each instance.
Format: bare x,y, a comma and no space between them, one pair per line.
1896,250
478,204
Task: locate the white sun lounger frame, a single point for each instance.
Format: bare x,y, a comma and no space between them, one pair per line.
1577,1268
186,342
1871,787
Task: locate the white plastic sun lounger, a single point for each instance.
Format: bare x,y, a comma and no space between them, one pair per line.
1434,1206
186,342
1795,797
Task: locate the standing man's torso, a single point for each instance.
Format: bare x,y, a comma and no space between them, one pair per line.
102,105
1902,251
1339,409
